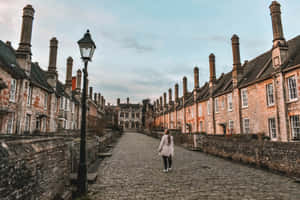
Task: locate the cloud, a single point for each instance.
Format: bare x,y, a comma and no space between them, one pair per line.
132,43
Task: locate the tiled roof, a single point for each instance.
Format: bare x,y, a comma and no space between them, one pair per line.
125,105
39,77
203,92
9,63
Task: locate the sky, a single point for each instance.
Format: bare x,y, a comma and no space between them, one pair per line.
144,47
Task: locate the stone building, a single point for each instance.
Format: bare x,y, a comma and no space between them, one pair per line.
33,99
129,115
258,96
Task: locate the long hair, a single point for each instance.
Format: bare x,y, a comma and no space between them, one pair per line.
169,137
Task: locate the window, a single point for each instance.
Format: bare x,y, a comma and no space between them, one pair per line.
61,103
73,107
216,105
137,115
208,107
246,124
67,104
295,126
126,115
272,128
29,95
46,101
200,110
13,89
10,123
230,126
244,98
229,102
27,122
270,94
192,112
292,89
121,114
132,115
222,104
38,123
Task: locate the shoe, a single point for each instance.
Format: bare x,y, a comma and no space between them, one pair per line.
165,170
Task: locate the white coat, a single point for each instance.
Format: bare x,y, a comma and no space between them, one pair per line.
164,148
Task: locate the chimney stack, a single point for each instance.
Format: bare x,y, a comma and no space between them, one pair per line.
53,55
26,32
176,92
127,100
170,96
95,98
196,77
91,93
160,103
184,86
237,68
118,101
165,99
280,46
212,68
69,74
276,22
157,104
98,99
78,81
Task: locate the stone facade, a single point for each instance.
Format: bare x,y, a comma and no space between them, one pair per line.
34,100
129,115
258,96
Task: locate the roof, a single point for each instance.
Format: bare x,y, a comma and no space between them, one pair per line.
130,105
39,77
8,61
2,84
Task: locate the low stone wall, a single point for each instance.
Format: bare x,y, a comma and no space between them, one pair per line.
278,156
33,168
282,157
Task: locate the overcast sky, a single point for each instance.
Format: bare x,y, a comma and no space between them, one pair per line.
144,47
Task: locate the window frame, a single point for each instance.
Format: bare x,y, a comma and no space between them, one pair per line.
294,88
208,107
229,102
13,90
246,130
45,100
244,97
29,95
269,103
271,129
295,136
216,105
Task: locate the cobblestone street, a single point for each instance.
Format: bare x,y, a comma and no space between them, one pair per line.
135,172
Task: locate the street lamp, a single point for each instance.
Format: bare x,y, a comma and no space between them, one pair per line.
87,48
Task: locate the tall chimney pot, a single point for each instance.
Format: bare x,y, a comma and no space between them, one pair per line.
212,68
184,86
53,55
176,92
196,77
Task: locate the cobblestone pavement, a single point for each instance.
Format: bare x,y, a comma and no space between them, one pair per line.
135,172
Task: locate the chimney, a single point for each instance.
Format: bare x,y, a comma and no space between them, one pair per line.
184,86
25,41
118,101
157,104
98,99
280,47
165,99
176,92
160,103
78,81
212,68
68,84
52,75
53,55
102,102
73,83
170,96
91,93
127,100
196,77
95,98
237,68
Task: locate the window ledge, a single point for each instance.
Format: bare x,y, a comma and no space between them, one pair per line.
271,105
292,100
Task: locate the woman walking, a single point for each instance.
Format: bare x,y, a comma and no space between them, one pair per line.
166,150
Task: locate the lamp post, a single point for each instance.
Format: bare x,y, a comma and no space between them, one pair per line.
87,48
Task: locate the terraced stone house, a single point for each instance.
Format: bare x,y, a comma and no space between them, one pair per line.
258,96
